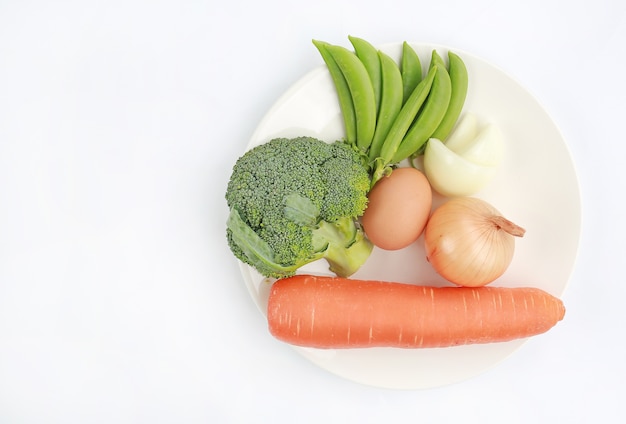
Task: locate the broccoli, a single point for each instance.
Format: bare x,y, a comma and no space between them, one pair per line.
293,201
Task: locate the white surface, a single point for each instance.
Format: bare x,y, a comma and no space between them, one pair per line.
530,189
119,122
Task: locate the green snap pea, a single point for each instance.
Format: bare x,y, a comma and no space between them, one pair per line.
361,91
406,116
431,114
391,102
343,91
459,82
411,68
368,54
436,59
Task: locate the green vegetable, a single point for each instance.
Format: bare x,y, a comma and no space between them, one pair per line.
391,103
402,124
389,110
411,68
459,82
343,91
294,201
369,56
432,114
361,92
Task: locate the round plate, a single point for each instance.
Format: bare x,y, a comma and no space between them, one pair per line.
535,185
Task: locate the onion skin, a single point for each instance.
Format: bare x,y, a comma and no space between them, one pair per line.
469,243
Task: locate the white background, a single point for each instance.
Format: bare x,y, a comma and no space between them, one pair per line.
119,124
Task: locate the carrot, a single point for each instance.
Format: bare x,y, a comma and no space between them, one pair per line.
333,312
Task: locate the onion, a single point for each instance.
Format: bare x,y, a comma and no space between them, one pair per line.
467,160
468,242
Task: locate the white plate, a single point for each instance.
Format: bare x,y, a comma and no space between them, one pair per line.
536,188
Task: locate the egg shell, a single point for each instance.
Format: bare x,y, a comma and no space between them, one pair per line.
398,209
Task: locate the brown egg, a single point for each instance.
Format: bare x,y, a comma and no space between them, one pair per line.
398,209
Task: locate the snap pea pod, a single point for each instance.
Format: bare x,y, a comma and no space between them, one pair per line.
390,105
361,91
436,59
403,121
368,54
459,82
431,114
411,68
343,91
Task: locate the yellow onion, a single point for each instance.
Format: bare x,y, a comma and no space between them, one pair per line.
468,242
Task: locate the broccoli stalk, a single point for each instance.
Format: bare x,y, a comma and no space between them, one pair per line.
347,248
295,201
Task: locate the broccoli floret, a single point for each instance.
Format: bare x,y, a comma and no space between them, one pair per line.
293,201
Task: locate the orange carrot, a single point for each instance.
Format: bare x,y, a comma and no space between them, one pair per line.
333,312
